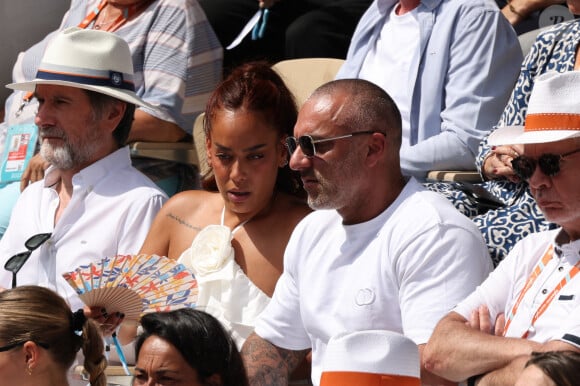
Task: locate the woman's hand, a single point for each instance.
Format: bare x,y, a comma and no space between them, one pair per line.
498,164
108,322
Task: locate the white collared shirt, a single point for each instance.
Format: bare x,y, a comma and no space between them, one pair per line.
110,212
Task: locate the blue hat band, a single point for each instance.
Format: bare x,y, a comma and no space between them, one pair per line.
115,79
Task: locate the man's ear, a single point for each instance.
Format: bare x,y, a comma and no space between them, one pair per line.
115,114
377,146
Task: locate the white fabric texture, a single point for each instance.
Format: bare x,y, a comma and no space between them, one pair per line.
224,290
374,352
110,212
393,61
401,271
501,290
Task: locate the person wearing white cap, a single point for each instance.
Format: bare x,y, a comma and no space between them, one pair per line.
530,302
371,358
379,252
92,203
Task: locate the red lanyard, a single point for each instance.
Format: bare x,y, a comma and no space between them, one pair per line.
531,280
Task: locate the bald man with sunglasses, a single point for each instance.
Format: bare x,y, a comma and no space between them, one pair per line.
531,302
380,252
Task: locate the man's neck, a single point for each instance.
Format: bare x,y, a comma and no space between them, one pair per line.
64,188
406,6
372,201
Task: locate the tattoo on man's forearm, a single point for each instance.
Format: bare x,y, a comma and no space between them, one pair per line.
268,365
182,222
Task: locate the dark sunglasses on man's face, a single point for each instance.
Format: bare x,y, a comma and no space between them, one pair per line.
306,142
15,263
524,167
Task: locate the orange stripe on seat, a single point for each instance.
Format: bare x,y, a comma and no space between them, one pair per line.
351,378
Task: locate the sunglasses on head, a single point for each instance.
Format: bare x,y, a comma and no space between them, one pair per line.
15,263
10,346
524,167
306,142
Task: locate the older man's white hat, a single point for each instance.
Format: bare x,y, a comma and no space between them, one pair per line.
371,358
89,59
553,112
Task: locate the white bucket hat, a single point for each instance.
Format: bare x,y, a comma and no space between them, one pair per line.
553,112
89,59
371,358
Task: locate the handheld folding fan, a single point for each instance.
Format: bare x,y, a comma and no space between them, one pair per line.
135,284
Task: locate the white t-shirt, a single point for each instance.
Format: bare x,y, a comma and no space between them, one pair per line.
393,61
401,271
501,290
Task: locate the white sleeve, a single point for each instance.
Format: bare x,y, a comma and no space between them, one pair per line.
495,291
434,277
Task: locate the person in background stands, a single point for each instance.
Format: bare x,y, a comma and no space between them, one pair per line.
555,49
294,29
475,55
529,302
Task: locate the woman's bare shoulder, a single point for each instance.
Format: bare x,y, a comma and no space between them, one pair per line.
189,200
187,205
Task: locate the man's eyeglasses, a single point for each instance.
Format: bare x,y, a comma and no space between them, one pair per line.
524,167
15,263
306,142
9,347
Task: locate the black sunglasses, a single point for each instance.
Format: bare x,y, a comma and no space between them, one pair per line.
20,343
306,142
15,263
524,167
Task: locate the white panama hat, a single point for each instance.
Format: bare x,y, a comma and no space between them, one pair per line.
371,358
89,59
553,112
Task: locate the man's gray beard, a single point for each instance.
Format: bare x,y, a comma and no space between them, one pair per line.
69,155
60,157
65,158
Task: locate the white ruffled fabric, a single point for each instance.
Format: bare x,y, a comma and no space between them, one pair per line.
224,289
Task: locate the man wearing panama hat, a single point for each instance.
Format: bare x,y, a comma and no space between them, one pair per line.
92,203
531,301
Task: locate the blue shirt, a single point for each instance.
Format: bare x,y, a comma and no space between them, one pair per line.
469,60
